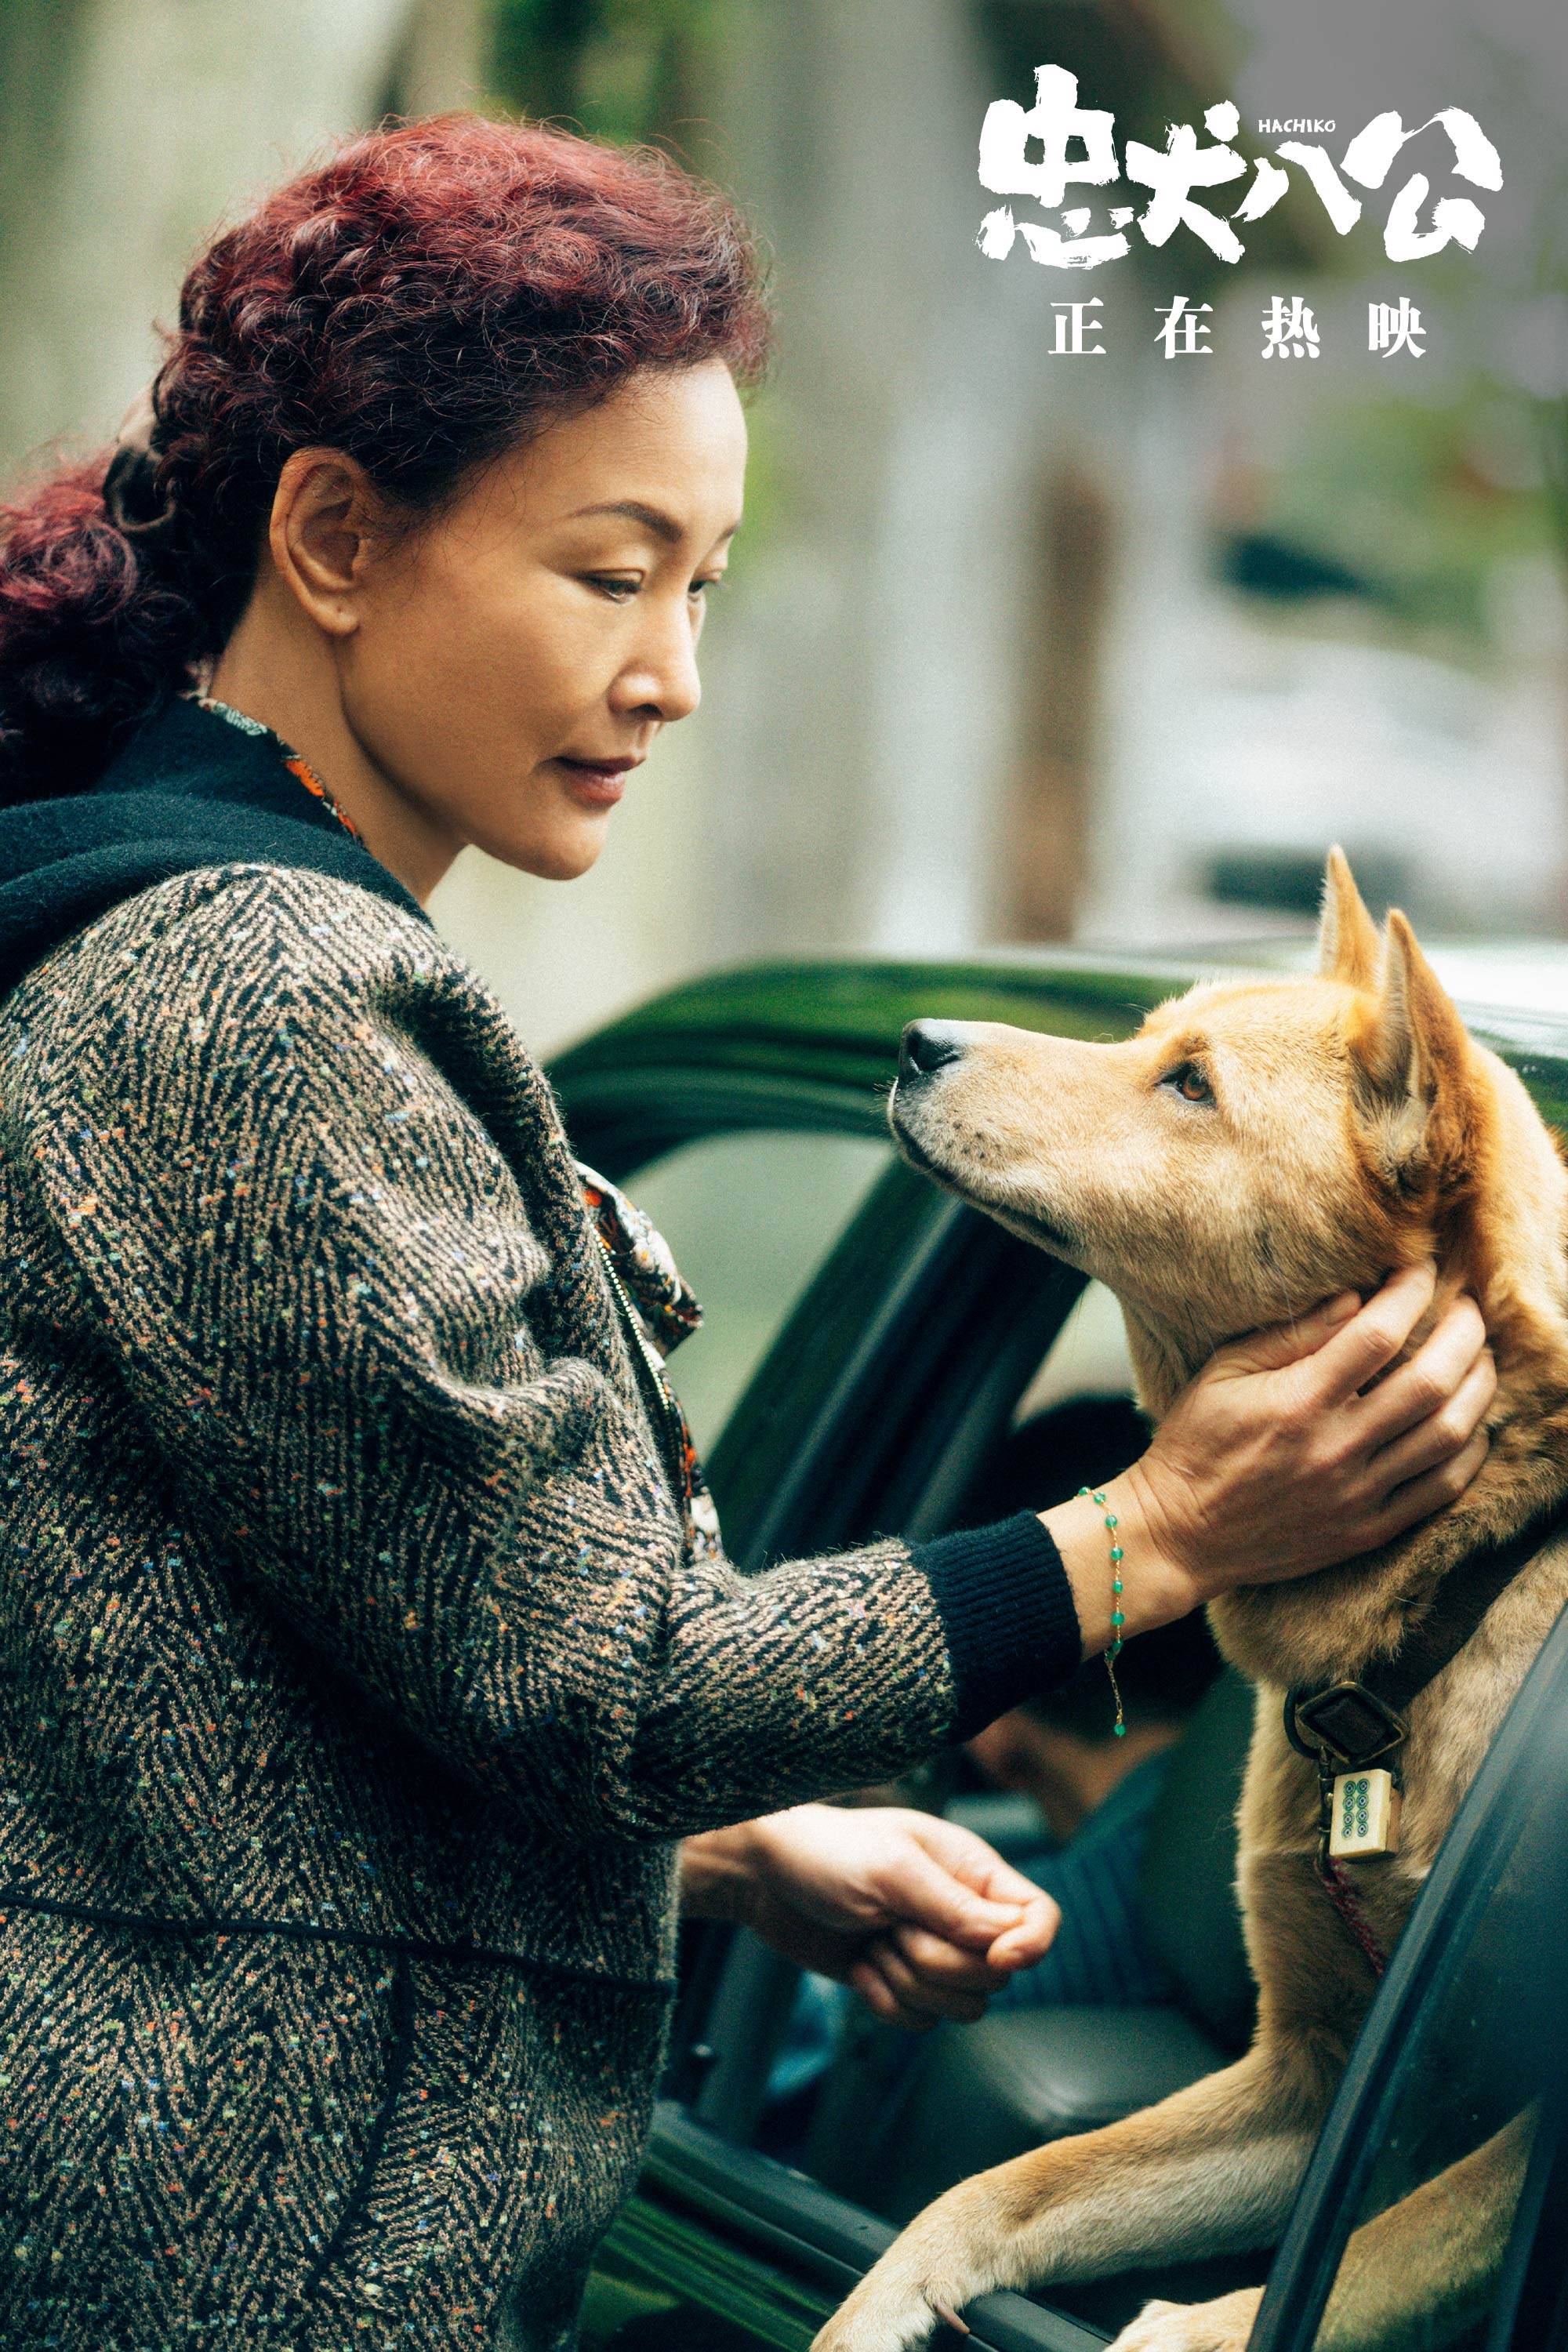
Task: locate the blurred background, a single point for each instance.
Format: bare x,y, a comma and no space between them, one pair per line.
1016,646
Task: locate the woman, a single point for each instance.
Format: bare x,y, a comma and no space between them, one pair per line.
369,1649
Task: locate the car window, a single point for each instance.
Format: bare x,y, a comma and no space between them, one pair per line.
1423,2224
750,1216
1422,2271
1088,1358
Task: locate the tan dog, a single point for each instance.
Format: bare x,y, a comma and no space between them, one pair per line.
1257,1147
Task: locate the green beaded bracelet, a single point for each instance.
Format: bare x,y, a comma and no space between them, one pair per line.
1118,1618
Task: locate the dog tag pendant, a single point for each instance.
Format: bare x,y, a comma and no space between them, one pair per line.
1365,1818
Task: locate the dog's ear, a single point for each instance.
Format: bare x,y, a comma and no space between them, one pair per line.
1412,1054
1347,935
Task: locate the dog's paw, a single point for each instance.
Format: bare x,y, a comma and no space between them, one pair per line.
947,2256
895,2308
881,2322
1222,2327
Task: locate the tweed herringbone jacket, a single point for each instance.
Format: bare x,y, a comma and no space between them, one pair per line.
356,1682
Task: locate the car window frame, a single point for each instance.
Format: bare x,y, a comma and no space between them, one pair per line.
799,1266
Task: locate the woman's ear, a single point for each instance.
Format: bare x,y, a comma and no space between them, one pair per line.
321,534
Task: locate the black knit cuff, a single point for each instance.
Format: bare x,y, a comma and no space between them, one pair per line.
1008,1610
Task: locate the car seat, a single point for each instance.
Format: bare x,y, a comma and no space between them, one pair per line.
894,2131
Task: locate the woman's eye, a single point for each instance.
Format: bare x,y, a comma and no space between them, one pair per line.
713,579
615,584
1190,1083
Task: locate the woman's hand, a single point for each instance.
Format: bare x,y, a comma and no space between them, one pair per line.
919,1915
1272,1462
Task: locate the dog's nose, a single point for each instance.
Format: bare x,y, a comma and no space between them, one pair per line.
925,1045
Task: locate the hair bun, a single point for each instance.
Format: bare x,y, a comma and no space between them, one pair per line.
130,496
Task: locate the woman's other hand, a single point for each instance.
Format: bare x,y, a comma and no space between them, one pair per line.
920,1916
1278,1458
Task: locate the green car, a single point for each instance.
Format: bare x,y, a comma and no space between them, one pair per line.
873,1354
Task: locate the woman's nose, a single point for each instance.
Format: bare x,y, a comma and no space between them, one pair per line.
664,677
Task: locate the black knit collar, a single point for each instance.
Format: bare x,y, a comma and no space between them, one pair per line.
188,788
208,750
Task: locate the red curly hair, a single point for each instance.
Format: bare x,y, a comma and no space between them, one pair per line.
435,293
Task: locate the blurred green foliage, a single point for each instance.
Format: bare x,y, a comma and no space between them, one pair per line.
1422,497
619,70
1430,494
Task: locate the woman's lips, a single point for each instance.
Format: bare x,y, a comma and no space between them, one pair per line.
594,783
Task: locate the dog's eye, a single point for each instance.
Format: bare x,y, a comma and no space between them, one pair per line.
1189,1082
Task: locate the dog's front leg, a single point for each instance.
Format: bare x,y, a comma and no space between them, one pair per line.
1422,2273
1210,2170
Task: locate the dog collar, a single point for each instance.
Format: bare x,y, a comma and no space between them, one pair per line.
1359,1721
1354,1730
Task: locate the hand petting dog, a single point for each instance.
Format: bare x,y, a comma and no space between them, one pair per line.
1295,1447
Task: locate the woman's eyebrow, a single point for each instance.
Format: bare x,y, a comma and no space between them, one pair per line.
653,519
